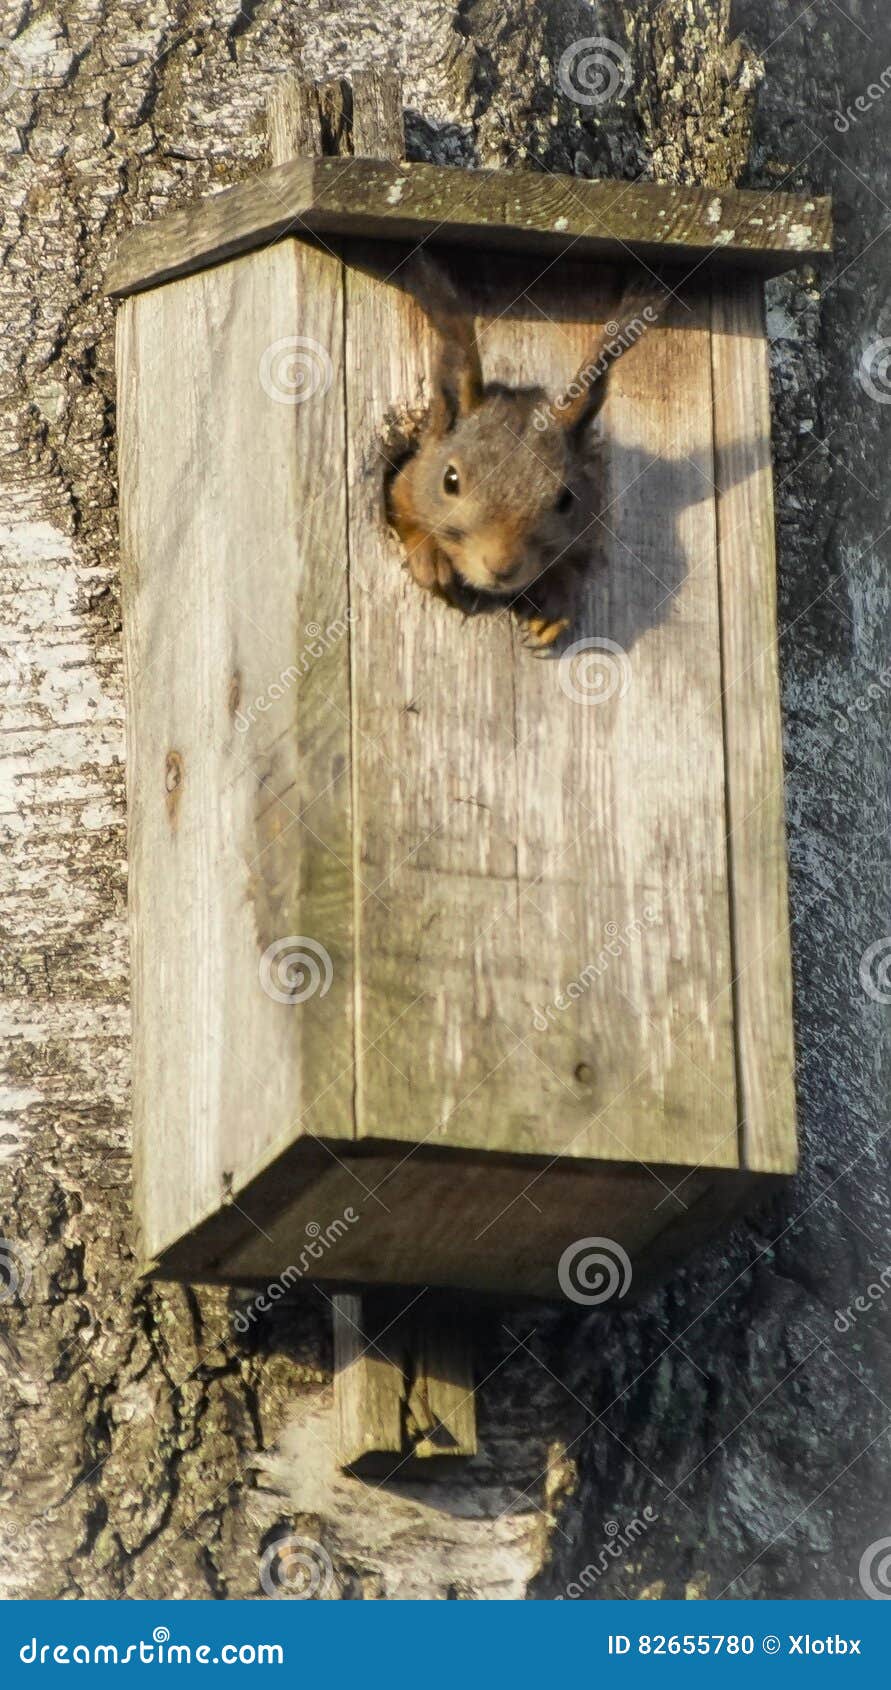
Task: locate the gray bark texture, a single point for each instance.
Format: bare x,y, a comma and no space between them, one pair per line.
147,1449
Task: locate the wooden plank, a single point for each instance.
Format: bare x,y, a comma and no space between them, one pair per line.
751,692
378,122
509,210
545,956
481,1223
299,112
369,1391
403,1389
405,1399
235,616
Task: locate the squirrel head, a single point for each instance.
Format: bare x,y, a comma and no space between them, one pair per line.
500,480
502,497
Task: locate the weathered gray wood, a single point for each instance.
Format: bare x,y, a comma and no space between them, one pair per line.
548,967
516,210
542,919
378,123
299,113
751,694
481,1223
235,613
404,1397
369,1391
408,1398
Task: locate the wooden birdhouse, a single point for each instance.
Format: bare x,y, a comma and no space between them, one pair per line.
454,965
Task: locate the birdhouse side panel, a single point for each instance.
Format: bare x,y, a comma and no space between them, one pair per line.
236,618
753,727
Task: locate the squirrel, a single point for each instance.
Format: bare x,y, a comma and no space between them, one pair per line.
499,495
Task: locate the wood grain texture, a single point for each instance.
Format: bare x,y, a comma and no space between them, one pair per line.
235,612
369,1391
404,1397
751,691
481,1223
297,113
511,210
543,931
378,123
407,1398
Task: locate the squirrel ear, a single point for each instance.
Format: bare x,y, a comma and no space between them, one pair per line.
582,400
458,383
459,379
640,307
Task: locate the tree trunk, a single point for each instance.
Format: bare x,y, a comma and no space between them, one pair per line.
729,1432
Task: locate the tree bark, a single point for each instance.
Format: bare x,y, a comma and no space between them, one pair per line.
149,1451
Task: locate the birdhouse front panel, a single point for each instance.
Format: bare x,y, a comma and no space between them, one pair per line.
543,917
478,940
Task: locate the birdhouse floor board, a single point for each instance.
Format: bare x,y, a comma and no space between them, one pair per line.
484,1223
509,210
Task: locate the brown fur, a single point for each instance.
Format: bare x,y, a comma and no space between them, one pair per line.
524,508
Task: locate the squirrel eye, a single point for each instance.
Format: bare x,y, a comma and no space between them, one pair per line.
565,501
450,481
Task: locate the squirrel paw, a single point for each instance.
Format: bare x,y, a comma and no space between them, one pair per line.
541,632
430,568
